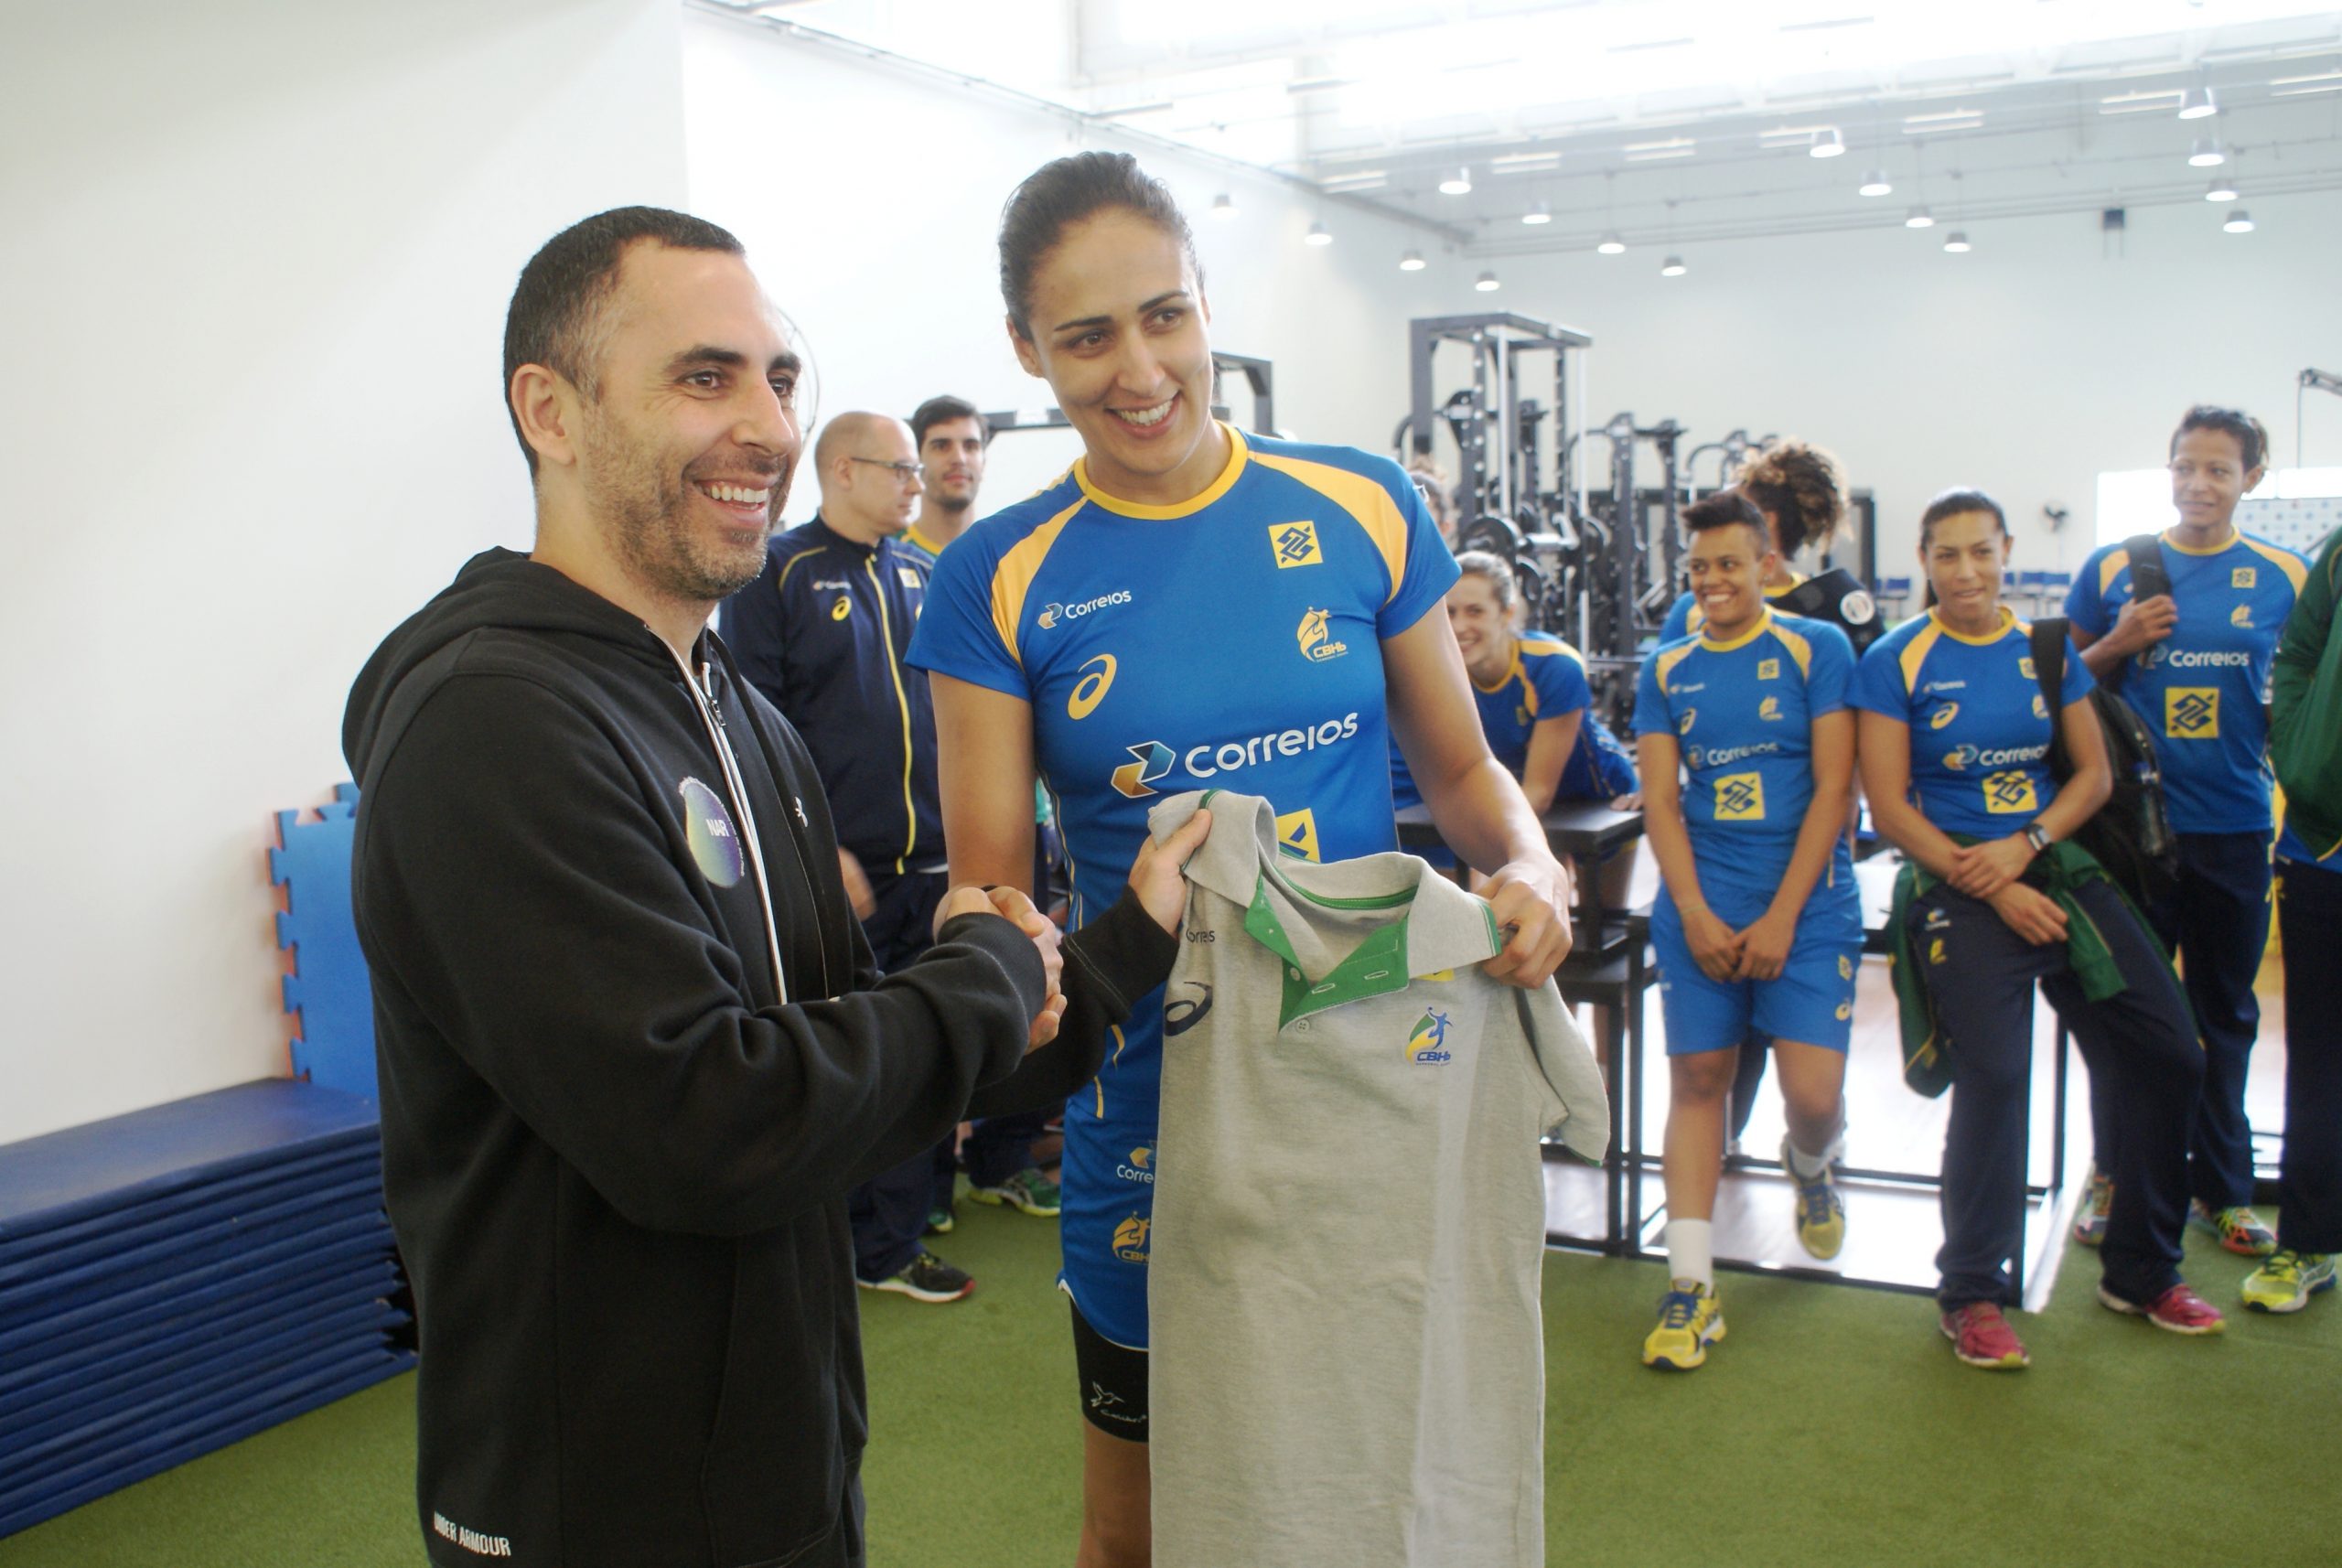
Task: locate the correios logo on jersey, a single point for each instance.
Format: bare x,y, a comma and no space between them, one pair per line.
1154,760
1053,612
1966,757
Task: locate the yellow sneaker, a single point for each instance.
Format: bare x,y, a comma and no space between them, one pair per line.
1820,1213
2287,1281
1691,1319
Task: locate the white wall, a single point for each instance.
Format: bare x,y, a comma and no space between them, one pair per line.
256,258
870,202
2026,367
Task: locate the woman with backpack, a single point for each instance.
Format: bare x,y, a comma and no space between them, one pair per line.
1956,734
2184,625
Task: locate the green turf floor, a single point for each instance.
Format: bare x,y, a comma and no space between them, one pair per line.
1833,1427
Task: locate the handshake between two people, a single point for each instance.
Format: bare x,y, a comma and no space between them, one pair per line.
1157,877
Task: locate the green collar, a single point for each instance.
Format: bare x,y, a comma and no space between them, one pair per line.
1377,965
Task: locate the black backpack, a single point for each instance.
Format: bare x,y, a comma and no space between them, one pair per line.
2130,835
1838,597
2149,579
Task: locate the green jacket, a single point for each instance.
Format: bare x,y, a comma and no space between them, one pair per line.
1927,1065
2306,731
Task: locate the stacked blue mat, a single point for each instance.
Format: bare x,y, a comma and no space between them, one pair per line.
176,1279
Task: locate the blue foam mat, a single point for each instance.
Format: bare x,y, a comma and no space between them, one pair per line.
136,1222
25,1506
221,1392
23,1387
110,1277
157,1388
91,1267
349,1245
61,1177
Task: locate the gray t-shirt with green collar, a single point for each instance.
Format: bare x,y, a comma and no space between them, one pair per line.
1347,1360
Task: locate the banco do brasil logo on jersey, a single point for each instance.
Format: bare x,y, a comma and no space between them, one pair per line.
1294,544
1098,675
1427,1041
1153,760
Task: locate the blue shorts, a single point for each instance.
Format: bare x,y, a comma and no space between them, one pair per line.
1107,1216
1812,1000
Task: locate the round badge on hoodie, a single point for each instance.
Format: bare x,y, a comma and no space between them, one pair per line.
715,843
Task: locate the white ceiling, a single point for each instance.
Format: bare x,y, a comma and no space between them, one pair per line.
1665,120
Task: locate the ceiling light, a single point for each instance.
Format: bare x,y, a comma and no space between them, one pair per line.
1486,282
1412,261
1957,241
1671,268
1457,184
1540,213
2195,103
1223,206
2239,222
1829,143
1876,183
2222,188
2206,154
1318,235
1612,245
1919,217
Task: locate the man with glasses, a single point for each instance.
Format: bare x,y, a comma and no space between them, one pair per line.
822,632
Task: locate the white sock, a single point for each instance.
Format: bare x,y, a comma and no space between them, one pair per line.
1810,1167
1691,1250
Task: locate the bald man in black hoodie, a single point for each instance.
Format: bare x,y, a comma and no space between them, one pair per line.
633,1051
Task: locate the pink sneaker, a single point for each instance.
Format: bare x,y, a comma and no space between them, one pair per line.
2179,1310
1981,1336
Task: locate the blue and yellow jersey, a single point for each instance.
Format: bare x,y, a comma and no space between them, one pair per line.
1979,730
1546,681
2199,689
1685,617
1742,715
1234,640
822,632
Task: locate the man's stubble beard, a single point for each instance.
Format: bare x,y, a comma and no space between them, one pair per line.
643,509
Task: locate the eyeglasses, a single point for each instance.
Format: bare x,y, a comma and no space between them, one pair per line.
906,472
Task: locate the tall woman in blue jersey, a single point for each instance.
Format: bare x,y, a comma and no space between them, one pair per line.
1757,926
2194,662
1187,607
1956,736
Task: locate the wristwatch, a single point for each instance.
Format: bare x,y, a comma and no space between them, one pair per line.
2038,837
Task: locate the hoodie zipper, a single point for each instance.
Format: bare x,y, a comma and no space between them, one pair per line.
708,717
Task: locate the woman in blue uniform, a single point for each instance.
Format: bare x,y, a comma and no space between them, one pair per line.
1187,606
1534,698
1757,926
1801,491
1956,738
2193,663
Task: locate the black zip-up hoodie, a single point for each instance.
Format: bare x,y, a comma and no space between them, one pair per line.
615,1153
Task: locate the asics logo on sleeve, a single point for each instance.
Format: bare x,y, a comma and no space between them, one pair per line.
1090,690
1944,715
1690,717
1185,1012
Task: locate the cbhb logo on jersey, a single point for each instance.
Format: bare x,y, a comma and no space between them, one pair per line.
1131,778
1769,709
1129,1238
1427,1041
1315,635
